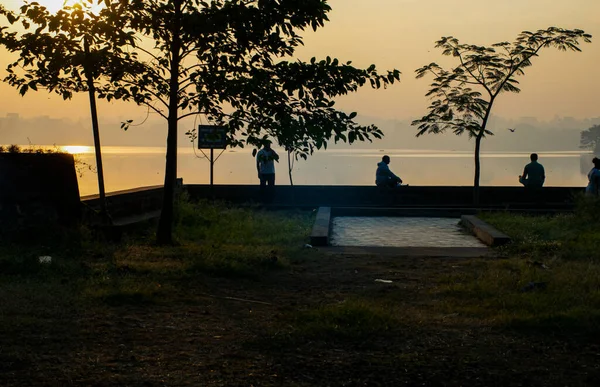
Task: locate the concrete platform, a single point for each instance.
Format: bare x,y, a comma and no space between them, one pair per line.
450,252
322,229
421,212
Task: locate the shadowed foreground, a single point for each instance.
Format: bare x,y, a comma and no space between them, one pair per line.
138,315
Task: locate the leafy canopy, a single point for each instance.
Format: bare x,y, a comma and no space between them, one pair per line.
56,49
236,69
462,97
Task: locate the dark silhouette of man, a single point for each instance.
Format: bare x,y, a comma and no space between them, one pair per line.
533,175
265,166
384,177
593,187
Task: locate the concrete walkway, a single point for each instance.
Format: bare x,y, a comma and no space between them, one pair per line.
450,252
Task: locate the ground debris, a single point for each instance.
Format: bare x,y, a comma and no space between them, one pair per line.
534,286
539,264
236,299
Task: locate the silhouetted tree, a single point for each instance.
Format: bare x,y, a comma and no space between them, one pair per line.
590,139
225,59
70,51
463,97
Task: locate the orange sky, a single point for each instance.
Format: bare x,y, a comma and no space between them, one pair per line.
401,34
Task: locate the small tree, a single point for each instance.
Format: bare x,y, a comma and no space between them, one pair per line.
225,59
66,52
295,146
590,139
463,97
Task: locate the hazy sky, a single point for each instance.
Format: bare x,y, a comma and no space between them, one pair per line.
401,34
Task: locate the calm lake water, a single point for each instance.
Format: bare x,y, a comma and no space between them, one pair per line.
130,167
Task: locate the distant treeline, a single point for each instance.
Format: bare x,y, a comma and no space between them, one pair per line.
558,134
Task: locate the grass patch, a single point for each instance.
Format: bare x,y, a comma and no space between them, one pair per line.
498,292
214,239
560,254
571,236
219,224
355,320
126,292
24,261
231,241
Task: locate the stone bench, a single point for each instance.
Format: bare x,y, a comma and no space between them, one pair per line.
320,232
485,232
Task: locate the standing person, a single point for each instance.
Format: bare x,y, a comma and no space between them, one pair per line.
265,165
384,177
593,187
534,175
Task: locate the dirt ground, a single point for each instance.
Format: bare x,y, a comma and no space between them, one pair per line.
249,332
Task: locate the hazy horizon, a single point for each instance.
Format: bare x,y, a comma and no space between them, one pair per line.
558,98
531,134
401,34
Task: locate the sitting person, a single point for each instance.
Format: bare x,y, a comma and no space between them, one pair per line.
593,187
384,177
533,174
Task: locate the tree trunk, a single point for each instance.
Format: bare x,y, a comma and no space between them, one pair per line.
164,234
96,130
290,168
478,150
477,170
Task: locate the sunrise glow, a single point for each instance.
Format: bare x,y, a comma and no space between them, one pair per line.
77,149
55,5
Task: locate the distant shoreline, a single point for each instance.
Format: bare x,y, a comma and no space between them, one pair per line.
360,152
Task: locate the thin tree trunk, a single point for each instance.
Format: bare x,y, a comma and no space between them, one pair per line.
477,170
164,234
96,129
290,167
478,150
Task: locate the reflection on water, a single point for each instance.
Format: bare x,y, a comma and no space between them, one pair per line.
129,167
76,149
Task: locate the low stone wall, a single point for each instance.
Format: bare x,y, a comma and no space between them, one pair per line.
129,202
357,200
413,196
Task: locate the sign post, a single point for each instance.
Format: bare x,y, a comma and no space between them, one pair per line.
212,137
212,166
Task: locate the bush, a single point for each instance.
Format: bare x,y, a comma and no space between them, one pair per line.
30,149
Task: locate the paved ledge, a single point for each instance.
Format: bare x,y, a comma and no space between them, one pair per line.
419,212
437,252
123,192
321,228
486,233
552,198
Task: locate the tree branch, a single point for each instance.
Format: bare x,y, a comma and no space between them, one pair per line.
156,110
156,95
149,53
189,115
473,75
511,73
